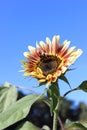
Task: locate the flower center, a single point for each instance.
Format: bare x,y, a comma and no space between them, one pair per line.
49,64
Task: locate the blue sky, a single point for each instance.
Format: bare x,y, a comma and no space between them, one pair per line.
23,22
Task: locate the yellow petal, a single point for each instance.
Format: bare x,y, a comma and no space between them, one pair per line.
76,55
69,51
49,44
55,44
64,47
39,71
58,38
49,77
41,43
48,41
26,54
65,44
79,52
37,46
26,74
63,69
32,49
42,80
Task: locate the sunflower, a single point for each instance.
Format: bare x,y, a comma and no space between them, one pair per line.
48,61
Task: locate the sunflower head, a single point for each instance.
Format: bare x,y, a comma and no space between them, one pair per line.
49,60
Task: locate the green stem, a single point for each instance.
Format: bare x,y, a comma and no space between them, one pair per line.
55,116
56,110
55,120
70,91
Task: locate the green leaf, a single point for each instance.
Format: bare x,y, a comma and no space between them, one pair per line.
8,95
83,86
70,70
62,77
45,127
27,126
84,123
74,126
41,84
46,101
17,111
53,94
